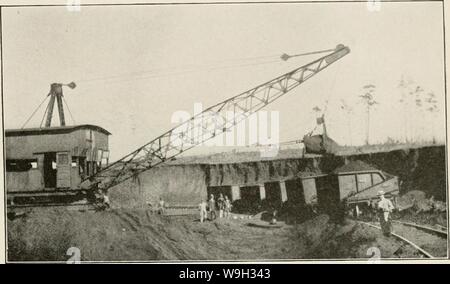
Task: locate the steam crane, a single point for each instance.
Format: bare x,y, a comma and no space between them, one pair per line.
209,123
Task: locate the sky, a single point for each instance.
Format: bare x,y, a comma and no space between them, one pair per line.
135,66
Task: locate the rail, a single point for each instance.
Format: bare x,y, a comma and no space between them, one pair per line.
418,248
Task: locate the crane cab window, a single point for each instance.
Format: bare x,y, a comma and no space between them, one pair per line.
20,165
347,185
364,181
74,163
352,183
63,159
377,178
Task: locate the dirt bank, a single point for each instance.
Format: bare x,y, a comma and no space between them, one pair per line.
140,235
185,184
176,184
417,168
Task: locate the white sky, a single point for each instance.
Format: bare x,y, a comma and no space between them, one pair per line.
43,45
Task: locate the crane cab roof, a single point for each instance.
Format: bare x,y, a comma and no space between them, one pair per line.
355,167
53,130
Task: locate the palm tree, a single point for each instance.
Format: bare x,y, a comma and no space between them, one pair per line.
348,110
403,85
432,108
405,100
369,101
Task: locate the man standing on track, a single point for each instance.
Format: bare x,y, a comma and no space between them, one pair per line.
385,208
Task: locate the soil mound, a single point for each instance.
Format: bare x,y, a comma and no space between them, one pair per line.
108,235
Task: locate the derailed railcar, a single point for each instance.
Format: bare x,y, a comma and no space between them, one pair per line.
353,184
345,187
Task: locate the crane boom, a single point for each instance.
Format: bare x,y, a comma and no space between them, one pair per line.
208,124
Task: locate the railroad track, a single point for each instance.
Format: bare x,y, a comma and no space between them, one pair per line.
52,205
16,211
181,210
429,242
442,232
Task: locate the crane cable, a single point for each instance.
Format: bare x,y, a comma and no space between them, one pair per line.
68,109
34,112
153,76
43,117
182,69
325,108
144,75
187,69
285,56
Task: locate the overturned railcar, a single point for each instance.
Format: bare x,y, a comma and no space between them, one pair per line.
352,184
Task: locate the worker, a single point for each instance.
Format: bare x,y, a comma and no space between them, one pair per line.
274,217
212,207
203,212
161,206
385,208
221,205
227,207
105,200
357,211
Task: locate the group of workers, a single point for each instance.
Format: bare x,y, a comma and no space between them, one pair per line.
223,203
208,208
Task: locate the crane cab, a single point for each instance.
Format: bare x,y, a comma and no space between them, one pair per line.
54,159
